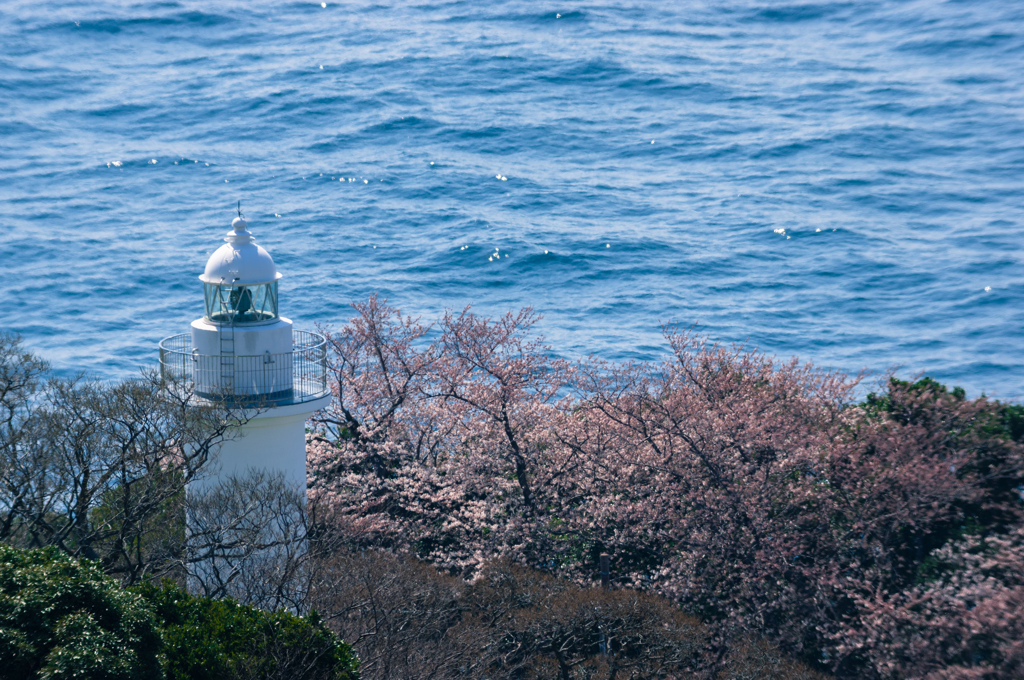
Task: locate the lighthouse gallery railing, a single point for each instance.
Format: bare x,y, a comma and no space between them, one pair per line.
257,379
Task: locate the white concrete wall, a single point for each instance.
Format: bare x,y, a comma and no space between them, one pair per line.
277,444
274,440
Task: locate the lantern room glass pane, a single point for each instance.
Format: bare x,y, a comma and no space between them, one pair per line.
241,304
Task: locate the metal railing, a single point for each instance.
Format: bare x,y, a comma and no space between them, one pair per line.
257,380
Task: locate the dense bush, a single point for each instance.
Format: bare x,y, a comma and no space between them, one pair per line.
61,618
207,639
874,539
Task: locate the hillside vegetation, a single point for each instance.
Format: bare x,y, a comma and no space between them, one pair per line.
760,518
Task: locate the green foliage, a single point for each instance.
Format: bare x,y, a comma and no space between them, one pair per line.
206,639
876,404
62,618
1006,421
1012,421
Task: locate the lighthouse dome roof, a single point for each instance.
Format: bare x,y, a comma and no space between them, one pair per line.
240,261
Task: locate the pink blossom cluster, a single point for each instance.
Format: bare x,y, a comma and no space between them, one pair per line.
877,539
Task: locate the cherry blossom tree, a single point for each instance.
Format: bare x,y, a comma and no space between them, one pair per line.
435,445
757,493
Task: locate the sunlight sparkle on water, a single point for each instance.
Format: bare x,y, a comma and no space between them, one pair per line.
801,161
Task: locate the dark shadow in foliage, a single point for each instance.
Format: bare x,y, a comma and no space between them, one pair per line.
402,617
407,620
544,627
755,659
990,431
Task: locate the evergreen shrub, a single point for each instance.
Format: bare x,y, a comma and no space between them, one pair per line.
208,639
62,618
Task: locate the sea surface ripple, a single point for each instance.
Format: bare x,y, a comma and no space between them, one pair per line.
843,182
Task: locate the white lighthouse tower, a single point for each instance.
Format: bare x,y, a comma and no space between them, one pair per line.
244,354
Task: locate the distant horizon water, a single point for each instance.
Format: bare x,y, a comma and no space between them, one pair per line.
843,182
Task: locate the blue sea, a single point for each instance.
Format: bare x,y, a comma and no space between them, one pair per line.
843,182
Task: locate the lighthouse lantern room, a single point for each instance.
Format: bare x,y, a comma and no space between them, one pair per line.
244,354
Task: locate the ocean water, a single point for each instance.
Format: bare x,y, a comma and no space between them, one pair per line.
843,182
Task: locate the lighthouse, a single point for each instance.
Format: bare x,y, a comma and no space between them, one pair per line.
244,355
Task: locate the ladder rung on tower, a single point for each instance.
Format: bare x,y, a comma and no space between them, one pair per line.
227,343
